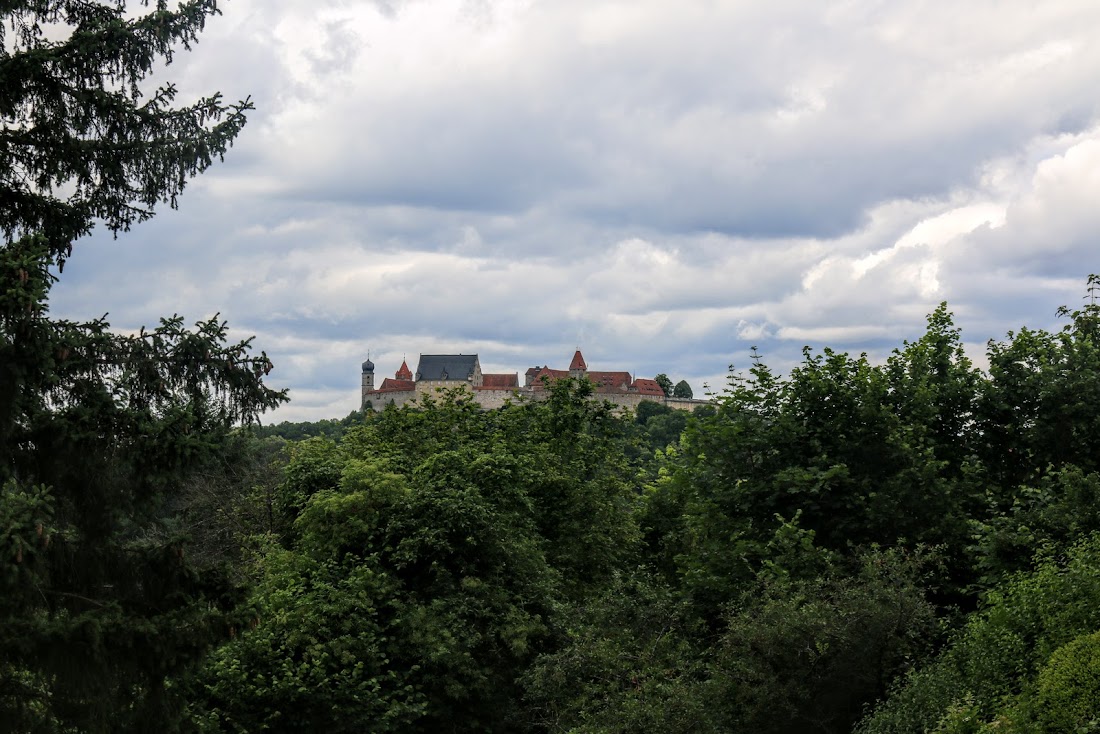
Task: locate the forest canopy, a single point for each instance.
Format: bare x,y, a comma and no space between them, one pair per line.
896,547
906,546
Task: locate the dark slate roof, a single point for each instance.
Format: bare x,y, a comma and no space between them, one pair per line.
368,366
446,366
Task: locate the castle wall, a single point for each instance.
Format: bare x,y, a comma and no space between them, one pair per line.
379,401
434,385
623,391
626,401
688,404
490,399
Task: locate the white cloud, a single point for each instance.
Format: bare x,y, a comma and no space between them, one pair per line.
662,185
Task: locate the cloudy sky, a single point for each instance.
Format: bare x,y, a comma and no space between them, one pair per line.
662,184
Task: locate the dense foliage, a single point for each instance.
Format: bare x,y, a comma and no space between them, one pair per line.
903,547
777,562
102,612
840,549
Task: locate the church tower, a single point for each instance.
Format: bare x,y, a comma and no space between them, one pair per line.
368,378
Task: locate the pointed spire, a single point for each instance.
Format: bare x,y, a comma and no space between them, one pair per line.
404,373
578,362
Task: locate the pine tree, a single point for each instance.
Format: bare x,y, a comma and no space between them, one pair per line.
79,140
99,608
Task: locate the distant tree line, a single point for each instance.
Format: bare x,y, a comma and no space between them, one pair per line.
296,431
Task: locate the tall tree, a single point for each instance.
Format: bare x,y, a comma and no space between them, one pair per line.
1039,412
80,139
867,454
98,431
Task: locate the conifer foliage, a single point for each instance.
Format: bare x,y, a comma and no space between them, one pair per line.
98,602
83,137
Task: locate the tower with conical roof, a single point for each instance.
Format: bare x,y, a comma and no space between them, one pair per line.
577,368
404,373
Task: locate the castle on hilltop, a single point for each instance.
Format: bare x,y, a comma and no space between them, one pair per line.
437,372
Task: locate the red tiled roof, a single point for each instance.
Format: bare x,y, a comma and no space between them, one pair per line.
404,373
578,362
605,382
609,381
537,381
645,386
500,381
391,385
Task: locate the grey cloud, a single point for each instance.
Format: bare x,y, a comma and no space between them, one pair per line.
663,189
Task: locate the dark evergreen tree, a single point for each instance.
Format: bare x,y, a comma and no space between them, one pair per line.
99,605
80,140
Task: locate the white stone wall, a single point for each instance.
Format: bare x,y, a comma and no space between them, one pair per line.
688,404
379,401
492,399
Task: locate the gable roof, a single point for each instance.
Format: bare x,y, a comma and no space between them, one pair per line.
646,386
500,381
604,382
446,366
537,379
609,381
389,384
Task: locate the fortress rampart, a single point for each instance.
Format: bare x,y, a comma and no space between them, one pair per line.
440,372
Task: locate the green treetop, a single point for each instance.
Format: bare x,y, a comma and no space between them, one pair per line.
682,390
82,137
99,605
